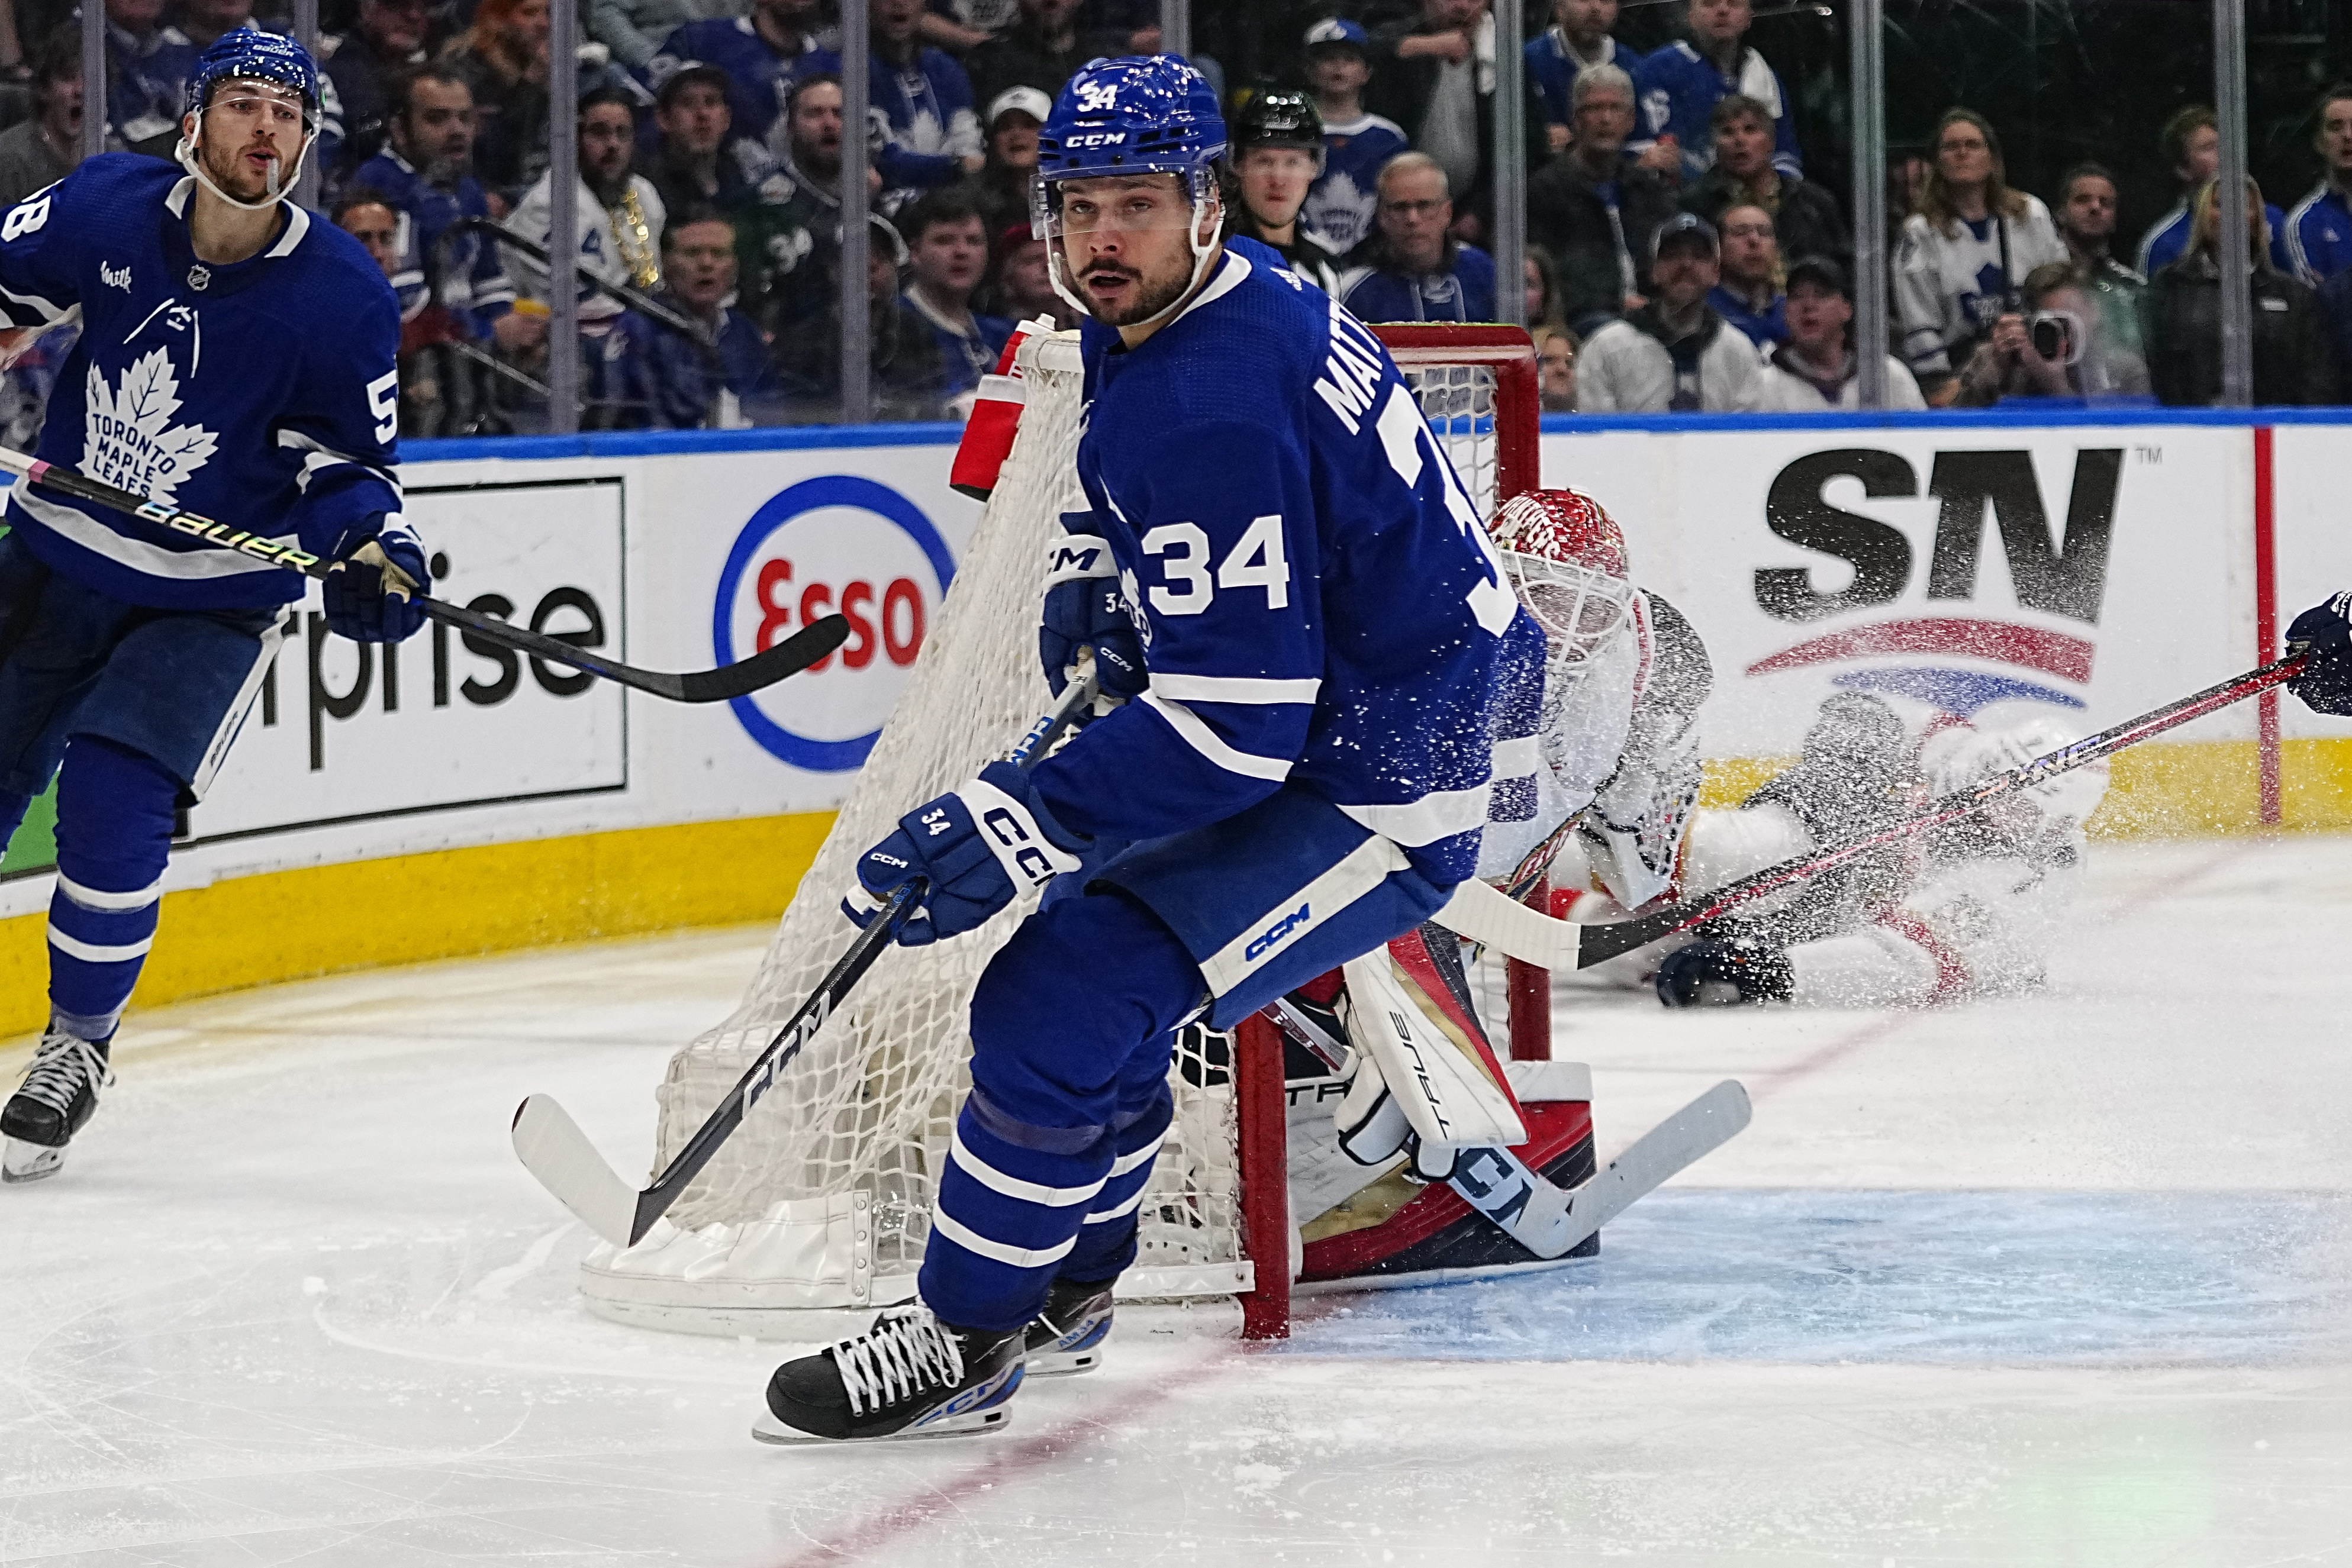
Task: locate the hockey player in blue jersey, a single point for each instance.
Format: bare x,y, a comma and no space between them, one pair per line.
1279,568
236,360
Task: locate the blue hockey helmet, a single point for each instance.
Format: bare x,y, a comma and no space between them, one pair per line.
249,54
1139,114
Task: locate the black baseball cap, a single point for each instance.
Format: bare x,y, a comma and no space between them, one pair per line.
690,72
1685,226
1822,270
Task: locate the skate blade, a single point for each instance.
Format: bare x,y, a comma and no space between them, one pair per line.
1062,1363
768,1429
30,1162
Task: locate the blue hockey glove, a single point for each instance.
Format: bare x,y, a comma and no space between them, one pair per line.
1084,608
2325,683
371,596
1723,973
975,849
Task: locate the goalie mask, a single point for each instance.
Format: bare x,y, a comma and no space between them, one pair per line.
1567,562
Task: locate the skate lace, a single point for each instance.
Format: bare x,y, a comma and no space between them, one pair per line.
896,1358
62,1064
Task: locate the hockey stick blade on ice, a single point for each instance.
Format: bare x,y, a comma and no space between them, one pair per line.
554,1150
1485,915
789,657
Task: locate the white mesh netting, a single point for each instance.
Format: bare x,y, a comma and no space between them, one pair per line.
821,1199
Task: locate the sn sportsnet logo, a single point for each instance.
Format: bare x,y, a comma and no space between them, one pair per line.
130,439
1266,940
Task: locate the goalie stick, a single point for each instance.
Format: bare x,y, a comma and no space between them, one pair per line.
554,1150
1485,915
789,657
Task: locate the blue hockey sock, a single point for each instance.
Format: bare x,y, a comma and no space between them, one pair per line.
115,808
1078,1003
1106,1243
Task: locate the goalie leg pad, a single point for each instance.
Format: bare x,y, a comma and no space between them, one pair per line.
1443,1090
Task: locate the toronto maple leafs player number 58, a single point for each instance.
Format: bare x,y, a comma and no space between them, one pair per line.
1278,565
236,360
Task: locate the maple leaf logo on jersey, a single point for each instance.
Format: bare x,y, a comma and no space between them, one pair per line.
132,441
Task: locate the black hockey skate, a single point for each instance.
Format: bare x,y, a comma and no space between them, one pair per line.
59,1094
1067,1335
909,1375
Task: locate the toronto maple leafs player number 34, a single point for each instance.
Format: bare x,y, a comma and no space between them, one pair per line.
1278,565
236,360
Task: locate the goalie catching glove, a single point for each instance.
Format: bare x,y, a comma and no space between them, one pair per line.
975,851
371,593
1085,608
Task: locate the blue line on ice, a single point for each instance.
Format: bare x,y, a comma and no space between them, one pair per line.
2195,1279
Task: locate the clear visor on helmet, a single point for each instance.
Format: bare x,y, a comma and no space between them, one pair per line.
1581,610
1125,204
248,101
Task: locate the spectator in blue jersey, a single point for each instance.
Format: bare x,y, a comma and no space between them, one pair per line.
146,72
697,159
1001,189
947,256
1674,355
1679,85
1041,50
2191,143
388,37
443,392
426,174
2294,360
1594,211
1748,296
661,378
2319,230
763,55
1806,218
1415,269
922,103
1341,201
636,30
1579,38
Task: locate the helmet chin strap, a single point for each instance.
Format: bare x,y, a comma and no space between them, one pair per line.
282,190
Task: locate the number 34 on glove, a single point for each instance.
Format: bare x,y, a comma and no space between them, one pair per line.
974,851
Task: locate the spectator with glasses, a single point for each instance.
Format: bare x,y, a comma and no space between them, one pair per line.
1965,254
1414,270
1749,294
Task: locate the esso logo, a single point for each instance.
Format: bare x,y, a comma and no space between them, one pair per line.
837,544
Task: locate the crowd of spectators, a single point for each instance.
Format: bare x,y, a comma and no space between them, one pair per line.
1678,258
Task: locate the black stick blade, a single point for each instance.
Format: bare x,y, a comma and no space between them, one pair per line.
789,657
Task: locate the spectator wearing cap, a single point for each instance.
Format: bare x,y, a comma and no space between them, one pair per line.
1681,84
947,256
1277,151
1964,253
660,377
1434,73
37,154
2086,223
1675,354
1021,289
1814,369
2052,349
907,380
2319,230
697,159
1749,294
2192,145
1594,211
922,103
1041,50
1806,219
1341,203
1001,189
763,55
388,37
1578,39
1413,269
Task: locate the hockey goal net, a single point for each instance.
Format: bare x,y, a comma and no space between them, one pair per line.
817,1209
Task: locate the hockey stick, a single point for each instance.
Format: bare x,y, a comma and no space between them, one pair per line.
553,1149
789,657
1548,1219
1485,915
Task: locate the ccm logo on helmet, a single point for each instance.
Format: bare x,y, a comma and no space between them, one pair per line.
1096,139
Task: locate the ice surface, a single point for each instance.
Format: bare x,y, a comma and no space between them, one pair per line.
2061,1280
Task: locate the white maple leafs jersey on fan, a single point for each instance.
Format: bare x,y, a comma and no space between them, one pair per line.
261,393
1316,593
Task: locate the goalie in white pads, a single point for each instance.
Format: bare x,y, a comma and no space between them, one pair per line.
1281,567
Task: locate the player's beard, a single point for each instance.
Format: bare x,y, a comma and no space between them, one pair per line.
1151,295
228,170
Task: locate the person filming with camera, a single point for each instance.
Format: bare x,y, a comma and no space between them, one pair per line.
2051,348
